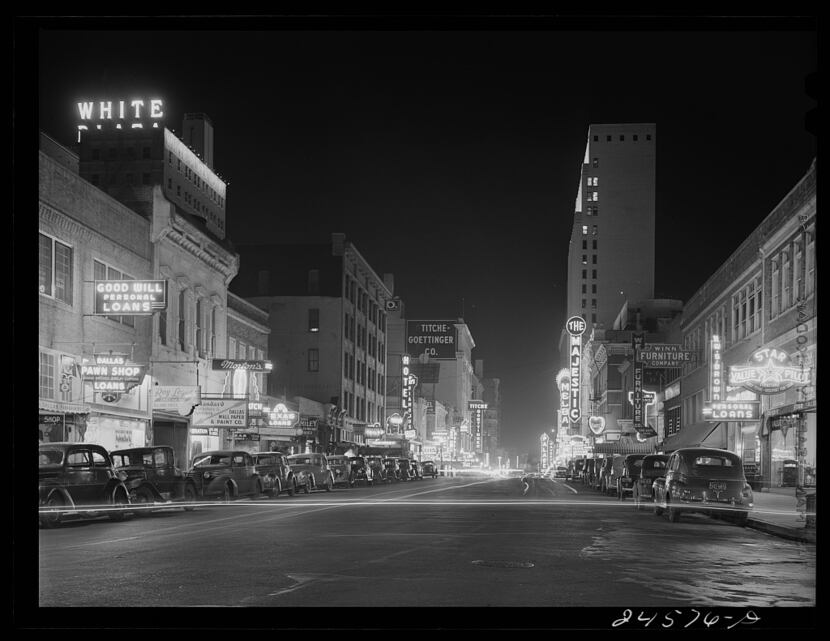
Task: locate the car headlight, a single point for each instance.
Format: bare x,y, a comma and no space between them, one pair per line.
207,475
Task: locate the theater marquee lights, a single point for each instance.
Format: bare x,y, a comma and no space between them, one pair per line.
575,326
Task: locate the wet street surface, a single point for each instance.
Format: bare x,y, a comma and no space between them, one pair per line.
467,541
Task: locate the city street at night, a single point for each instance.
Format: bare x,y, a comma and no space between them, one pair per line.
467,541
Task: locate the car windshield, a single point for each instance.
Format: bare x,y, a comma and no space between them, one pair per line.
212,459
50,457
300,460
717,465
123,459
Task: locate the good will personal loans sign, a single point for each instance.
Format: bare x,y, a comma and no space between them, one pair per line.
130,297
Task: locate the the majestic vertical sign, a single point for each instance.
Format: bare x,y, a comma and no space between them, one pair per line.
563,383
575,326
408,382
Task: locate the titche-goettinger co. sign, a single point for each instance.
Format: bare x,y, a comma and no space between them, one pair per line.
129,297
433,338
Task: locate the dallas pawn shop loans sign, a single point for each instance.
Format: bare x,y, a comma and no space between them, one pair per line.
130,297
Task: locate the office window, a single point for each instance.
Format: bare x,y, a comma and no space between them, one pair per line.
810,263
775,299
55,269
583,303
593,303
594,244
182,312
584,274
622,138
313,360
313,319
595,195
584,259
593,318
213,331
596,162
786,279
635,137
47,375
585,229
594,288
648,136
588,181
596,138
170,158
199,330
607,138
798,269
584,288
594,230
595,182
593,273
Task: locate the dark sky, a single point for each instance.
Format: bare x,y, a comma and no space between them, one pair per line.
451,158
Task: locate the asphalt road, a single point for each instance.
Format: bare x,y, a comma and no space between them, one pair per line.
437,542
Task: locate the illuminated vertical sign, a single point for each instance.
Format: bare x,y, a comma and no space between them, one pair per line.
575,326
408,382
477,410
563,383
717,391
637,396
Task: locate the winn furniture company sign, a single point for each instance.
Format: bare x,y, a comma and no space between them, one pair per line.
665,355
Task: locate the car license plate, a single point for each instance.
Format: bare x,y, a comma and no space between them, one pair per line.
718,486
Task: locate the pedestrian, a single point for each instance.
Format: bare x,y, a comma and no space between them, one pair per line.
525,484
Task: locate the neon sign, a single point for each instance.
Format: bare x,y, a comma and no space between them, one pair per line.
281,416
575,326
563,382
732,411
130,297
770,371
716,383
408,383
597,424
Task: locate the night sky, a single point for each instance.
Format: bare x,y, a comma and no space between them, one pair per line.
451,158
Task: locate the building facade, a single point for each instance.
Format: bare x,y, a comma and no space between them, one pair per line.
760,307
611,249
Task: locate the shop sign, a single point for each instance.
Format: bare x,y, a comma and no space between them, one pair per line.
665,355
732,411
204,431
244,436
126,109
129,297
410,434
476,405
221,412
717,391
112,374
240,364
176,398
373,432
281,416
770,371
597,424
637,398
434,338
575,326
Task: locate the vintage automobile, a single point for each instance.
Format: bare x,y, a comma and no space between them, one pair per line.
362,472
275,472
415,467
77,480
225,474
428,468
652,467
589,471
392,469
560,472
375,463
312,471
702,479
603,471
153,478
613,473
628,475
341,470
405,469
575,468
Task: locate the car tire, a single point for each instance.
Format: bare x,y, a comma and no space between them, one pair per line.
306,488
329,484
143,496
672,512
227,493
258,490
53,520
189,497
620,495
277,488
119,498
292,487
635,496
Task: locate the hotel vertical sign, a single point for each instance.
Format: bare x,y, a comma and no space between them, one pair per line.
408,383
575,326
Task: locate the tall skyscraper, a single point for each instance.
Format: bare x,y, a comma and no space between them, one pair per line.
611,252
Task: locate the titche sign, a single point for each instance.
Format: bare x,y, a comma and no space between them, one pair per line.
129,297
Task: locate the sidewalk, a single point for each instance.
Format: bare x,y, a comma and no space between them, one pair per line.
775,513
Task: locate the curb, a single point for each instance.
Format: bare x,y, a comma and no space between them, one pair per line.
794,534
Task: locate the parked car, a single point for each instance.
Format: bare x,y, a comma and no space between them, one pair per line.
428,468
277,476
614,471
589,472
362,472
405,469
628,475
152,476
415,466
225,474
312,471
375,463
575,469
652,467
561,472
392,469
341,470
603,472
78,479
707,480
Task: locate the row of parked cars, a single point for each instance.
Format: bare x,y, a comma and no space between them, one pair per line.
84,478
696,479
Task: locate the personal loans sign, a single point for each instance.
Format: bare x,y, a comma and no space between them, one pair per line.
130,297
436,339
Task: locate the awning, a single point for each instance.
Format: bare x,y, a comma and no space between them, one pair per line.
62,407
623,447
690,436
